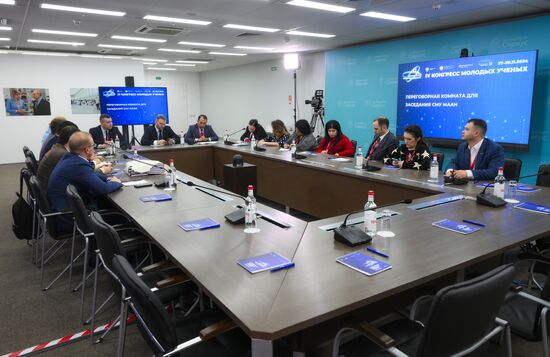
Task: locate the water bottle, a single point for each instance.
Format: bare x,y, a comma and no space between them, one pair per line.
225,136
172,173
359,158
135,154
250,224
370,215
182,137
253,142
293,147
499,183
434,169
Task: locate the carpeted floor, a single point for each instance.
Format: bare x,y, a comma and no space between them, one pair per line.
30,317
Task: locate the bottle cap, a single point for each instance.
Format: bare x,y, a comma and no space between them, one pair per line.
171,161
371,193
250,187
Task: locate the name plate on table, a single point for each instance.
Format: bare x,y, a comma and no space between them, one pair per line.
362,263
457,227
156,198
263,262
198,224
533,207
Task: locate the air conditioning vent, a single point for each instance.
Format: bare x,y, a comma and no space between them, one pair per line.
247,34
114,52
162,30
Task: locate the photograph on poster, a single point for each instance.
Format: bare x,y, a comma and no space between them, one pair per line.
85,101
27,101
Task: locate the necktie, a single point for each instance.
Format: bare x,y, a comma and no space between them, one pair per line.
201,132
107,137
160,135
374,146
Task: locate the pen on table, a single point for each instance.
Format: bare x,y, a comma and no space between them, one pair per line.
289,265
372,250
473,222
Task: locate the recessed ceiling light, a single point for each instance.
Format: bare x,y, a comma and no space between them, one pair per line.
180,64
81,10
310,34
100,56
5,39
227,54
124,47
200,44
251,28
254,48
381,15
3,52
57,42
5,28
149,63
7,2
197,62
33,53
129,38
321,6
161,69
176,20
149,59
66,33
178,50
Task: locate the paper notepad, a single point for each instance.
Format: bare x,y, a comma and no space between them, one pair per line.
363,263
263,262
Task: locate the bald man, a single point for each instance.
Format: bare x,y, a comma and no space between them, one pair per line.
75,168
40,104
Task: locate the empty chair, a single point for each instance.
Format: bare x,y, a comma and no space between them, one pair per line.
512,168
34,162
544,180
354,143
462,318
25,150
440,157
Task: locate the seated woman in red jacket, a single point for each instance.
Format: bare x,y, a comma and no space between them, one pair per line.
334,142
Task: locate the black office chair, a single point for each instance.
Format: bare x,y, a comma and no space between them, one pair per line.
528,314
544,180
462,318
47,227
31,166
25,149
512,168
440,157
165,334
25,176
354,143
34,162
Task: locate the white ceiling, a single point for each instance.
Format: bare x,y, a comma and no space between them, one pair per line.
349,28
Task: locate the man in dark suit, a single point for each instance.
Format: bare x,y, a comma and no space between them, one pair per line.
159,134
477,158
105,133
200,131
76,169
384,141
41,105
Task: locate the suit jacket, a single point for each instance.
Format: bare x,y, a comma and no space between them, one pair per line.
114,134
193,134
259,133
344,147
306,143
48,163
150,135
73,169
47,146
387,145
489,158
42,108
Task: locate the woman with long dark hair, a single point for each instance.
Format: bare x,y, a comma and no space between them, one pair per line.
254,129
413,154
334,142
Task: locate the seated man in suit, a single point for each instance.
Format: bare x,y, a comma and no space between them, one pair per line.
159,134
384,142
76,169
200,131
477,158
51,139
105,133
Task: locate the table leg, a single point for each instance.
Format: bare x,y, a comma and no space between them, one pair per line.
262,348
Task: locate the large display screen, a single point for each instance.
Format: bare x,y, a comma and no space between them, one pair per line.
133,105
441,96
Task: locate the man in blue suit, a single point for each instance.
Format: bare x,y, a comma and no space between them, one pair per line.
200,131
76,169
159,134
477,158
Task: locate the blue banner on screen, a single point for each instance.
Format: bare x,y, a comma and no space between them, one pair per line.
133,105
441,96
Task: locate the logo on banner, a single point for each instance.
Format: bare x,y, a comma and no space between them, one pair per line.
413,74
109,93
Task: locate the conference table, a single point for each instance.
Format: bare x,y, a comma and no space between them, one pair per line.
318,292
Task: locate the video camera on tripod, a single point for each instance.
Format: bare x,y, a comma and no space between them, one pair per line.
317,100
316,103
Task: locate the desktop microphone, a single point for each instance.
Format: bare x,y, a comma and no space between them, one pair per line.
368,167
490,200
352,236
160,183
452,180
226,140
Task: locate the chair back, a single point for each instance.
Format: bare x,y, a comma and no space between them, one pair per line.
43,205
153,320
80,212
512,168
31,166
440,157
544,180
107,239
26,174
464,313
25,149
31,156
354,143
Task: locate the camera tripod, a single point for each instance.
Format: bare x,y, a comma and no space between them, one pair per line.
318,115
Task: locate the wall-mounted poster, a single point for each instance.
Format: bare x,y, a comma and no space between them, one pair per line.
85,101
27,101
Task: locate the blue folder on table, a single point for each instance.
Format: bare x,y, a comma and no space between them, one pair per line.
533,207
263,262
363,263
156,198
458,227
198,224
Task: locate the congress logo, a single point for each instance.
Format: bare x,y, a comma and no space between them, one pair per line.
413,74
109,93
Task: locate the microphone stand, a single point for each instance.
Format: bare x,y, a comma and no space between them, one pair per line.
226,140
493,201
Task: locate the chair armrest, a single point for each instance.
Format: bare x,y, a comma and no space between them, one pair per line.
534,299
171,281
164,265
534,257
417,302
134,240
53,214
216,329
183,346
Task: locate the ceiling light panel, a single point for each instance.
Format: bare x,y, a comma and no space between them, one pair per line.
177,20
121,46
149,59
321,6
310,34
385,16
144,39
200,44
82,10
56,54
65,33
180,64
57,42
190,61
254,48
160,69
100,56
5,39
7,2
178,50
5,28
250,28
227,54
